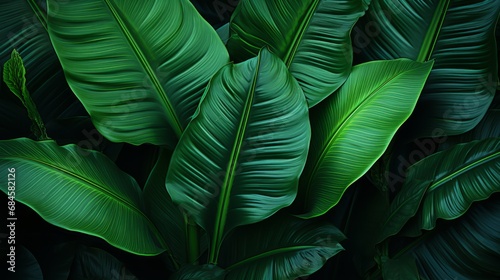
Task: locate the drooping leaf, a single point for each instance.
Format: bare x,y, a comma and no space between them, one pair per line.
163,212
310,36
199,272
139,68
239,160
80,190
460,36
445,184
281,247
14,76
353,127
467,248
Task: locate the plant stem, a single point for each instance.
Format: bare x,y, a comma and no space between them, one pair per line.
192,240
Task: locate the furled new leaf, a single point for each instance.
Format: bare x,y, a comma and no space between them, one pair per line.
281,247
460,36
353,127
445,184
239,160
139,67
310,36
79,190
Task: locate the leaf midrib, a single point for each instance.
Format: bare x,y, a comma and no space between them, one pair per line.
104,191
266,254
296,41
463,170
433,31
457,173
86,182
223,203
172,116
38,13
334,134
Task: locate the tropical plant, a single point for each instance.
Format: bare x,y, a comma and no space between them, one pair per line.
303,138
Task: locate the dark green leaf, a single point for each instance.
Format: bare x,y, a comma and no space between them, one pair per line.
139,68
240,158
79,190
281,247
310,36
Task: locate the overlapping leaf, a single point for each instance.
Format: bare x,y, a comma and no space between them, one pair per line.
353,127
139,68
310,36
80,190
459,35
239,160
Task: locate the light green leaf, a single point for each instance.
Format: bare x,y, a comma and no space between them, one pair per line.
240,158
445,184
460,36
79,190
14,76
139,68
353,127
310,36
281,247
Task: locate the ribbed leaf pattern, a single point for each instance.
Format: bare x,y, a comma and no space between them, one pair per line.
80,190
310,36
280,248
460,36
240,158
445,184
139,68
353,127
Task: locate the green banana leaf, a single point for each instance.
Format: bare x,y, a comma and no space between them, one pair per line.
281,247
467,248
79,190
163,212
444,185
139,68
240,158
310,36
353,127
459,35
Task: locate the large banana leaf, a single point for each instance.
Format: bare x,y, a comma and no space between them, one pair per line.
163,212
80,190
281,247
199,272
352,128
139,67
467,248
310,36
460,36
239,160
444,185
